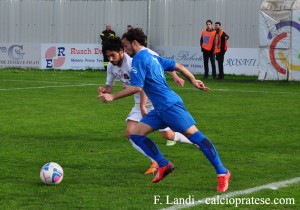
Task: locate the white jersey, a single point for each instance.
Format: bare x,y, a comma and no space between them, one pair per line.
119,73
122,73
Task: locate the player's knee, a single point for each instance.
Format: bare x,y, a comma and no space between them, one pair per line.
168,135
127,134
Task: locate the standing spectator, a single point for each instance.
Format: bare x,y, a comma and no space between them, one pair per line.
104,35
129,27
220,47
207,47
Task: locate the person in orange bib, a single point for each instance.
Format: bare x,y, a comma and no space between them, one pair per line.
221,46
207,43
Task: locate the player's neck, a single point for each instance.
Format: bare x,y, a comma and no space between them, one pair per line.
120,63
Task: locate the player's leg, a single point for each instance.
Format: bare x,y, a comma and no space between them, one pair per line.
181,120
206,147
131,121
211,154
178,118
130,125
148,124
169,135
138,136
172,136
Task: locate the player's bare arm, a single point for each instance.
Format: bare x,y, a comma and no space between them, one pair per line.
130,90
143,100
177,79
186,73
106,89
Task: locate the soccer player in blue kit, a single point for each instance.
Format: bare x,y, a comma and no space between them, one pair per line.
119,68
147,74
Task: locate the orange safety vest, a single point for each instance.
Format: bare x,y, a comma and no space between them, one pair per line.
218,42
208,39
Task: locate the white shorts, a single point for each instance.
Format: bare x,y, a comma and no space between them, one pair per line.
135,115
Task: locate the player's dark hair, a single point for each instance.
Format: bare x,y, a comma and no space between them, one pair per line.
218,23
112,44
136,34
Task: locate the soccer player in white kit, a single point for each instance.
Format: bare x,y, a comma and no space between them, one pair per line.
119,68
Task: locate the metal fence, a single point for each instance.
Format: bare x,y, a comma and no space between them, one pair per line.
171,22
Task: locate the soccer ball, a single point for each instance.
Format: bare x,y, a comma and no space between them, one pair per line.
51,173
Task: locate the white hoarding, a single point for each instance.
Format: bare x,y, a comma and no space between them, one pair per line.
71,56
19,55
239,61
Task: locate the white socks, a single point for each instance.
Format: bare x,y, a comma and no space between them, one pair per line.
181,138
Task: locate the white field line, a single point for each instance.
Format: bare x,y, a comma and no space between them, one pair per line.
243,91
177,88
38,81
44,87
256,91
272,186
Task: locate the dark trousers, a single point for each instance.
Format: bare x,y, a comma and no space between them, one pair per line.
209,56
220,59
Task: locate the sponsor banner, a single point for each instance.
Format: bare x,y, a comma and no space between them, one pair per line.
18,55
71,56
239,61
279,45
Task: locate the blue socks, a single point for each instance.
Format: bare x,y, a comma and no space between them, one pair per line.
209,151
150,148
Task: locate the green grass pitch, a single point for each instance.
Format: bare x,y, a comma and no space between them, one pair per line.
54,116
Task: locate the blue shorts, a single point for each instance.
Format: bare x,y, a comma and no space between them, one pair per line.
176,117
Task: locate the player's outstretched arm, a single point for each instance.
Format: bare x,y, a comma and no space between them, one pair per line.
176,79
130,90
186,73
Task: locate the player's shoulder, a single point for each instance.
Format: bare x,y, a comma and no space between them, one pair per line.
127,61
144,53
138,56
127,57
110,67
152,52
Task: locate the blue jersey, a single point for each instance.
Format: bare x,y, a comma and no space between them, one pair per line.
148,73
